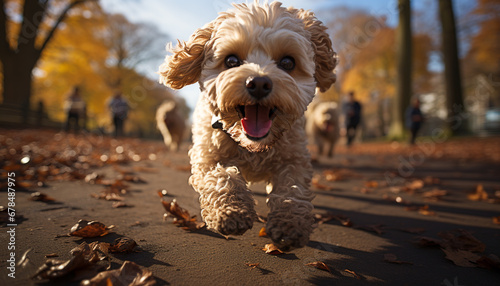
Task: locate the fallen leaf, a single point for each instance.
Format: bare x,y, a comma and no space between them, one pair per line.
85,257
371,184
435,194
181,216
479,195
128,274
262,232
377,228
489,262
426,211
358,276
496,219
122,244
424,241
252,265
461,239
41,197
429,180
392,258
272,249
323,218
320,265
460,257
315,182
120,205
86,228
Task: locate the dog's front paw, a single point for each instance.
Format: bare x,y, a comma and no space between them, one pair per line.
231,221
289,230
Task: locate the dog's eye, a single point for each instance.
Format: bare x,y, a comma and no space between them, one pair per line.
232,61
287,63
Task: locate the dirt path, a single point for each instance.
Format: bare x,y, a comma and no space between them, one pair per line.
378,210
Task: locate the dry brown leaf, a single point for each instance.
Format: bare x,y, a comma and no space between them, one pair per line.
122,244
461,239
496,219
429,180
181,216
252,265
272,249
320,265
371,184
120,205
392,258
41,197
424,241
262,232
462,258
358,276
489,262
322,218
377,228
479,195
128,274
84,257
435,194
426,211
315,182
86,228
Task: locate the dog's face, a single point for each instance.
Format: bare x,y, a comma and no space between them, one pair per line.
258,66
326,119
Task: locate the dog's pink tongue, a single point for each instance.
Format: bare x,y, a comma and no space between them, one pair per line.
256,122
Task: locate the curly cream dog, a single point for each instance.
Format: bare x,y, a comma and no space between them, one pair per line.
258,67
323,126
171,124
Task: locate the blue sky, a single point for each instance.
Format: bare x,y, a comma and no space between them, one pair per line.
178,19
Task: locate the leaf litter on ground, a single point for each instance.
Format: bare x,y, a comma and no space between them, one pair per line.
85,228
181,217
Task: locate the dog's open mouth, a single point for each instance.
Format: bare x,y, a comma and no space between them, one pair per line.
256,120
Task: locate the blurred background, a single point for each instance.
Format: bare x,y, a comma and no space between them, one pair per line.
445,53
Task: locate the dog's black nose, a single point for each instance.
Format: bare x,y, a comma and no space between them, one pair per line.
259,87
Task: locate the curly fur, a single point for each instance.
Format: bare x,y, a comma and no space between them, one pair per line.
224,161
323,126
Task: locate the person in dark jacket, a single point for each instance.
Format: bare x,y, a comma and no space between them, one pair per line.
414,119
352,118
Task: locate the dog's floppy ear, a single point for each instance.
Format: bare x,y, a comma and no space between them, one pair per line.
324,56
184,66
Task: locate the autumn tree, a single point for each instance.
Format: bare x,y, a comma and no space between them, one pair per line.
85,52
131,45
483,57
21,45
453,81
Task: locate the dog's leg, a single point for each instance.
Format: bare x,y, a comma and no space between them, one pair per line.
227,206
290,220
331,144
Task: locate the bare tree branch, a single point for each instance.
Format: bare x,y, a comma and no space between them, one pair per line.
59,20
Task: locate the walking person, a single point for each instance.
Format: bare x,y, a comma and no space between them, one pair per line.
414,119
75,108
352,117
119,107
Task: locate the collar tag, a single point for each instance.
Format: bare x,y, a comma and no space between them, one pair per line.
216,123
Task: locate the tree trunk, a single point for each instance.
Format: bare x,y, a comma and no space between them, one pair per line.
457,122
17,80
404,59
